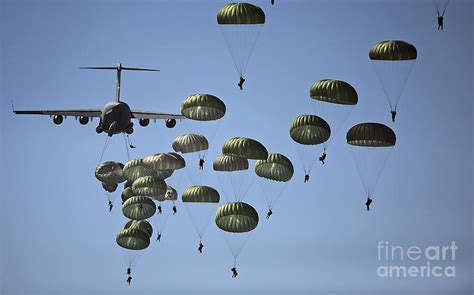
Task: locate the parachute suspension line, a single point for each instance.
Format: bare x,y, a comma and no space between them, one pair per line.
228,42
240,194
381,170
436,6
212,134
311,165
127,146
107,140
246,190
130,258
301,159
202,155
109,197
250,43
240,243
443,8
338,126
233,184
201,233
279,195
268,193
403,72
375,160
393,76
361,175
241,40
379,72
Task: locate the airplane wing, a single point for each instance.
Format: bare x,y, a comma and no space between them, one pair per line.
153,116
65,113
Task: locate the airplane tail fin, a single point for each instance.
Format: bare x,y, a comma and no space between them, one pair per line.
119,69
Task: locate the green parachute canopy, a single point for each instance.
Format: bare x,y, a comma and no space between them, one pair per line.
110,172
127,193
245,148
393,62
189,143
203,107
309,130
109,187
134,169
276,167
164,161
142,225
240,14
371,135
230,163
334,91
200,194
149,186
240,24
236,217
392,50
139,208
133,239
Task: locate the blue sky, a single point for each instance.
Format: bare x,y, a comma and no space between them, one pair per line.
57,236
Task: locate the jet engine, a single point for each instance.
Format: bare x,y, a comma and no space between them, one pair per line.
144,122
58,119
83,120
170,123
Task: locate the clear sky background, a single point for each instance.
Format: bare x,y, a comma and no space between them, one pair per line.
57,235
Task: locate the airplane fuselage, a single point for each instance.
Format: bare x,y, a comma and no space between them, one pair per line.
115,118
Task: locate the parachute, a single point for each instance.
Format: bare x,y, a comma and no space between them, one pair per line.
245,148
109,187
193,144
200,203
134,169
393,61
164,161
110,172
134,237
230,163
372,144
308,131
236,220
234,176
204,112
274,173
149,186
142,225
334,100
138,208
203,107
190,143
276,167
200,194
236,217
241,24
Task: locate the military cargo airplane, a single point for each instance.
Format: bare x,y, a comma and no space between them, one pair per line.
115,117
